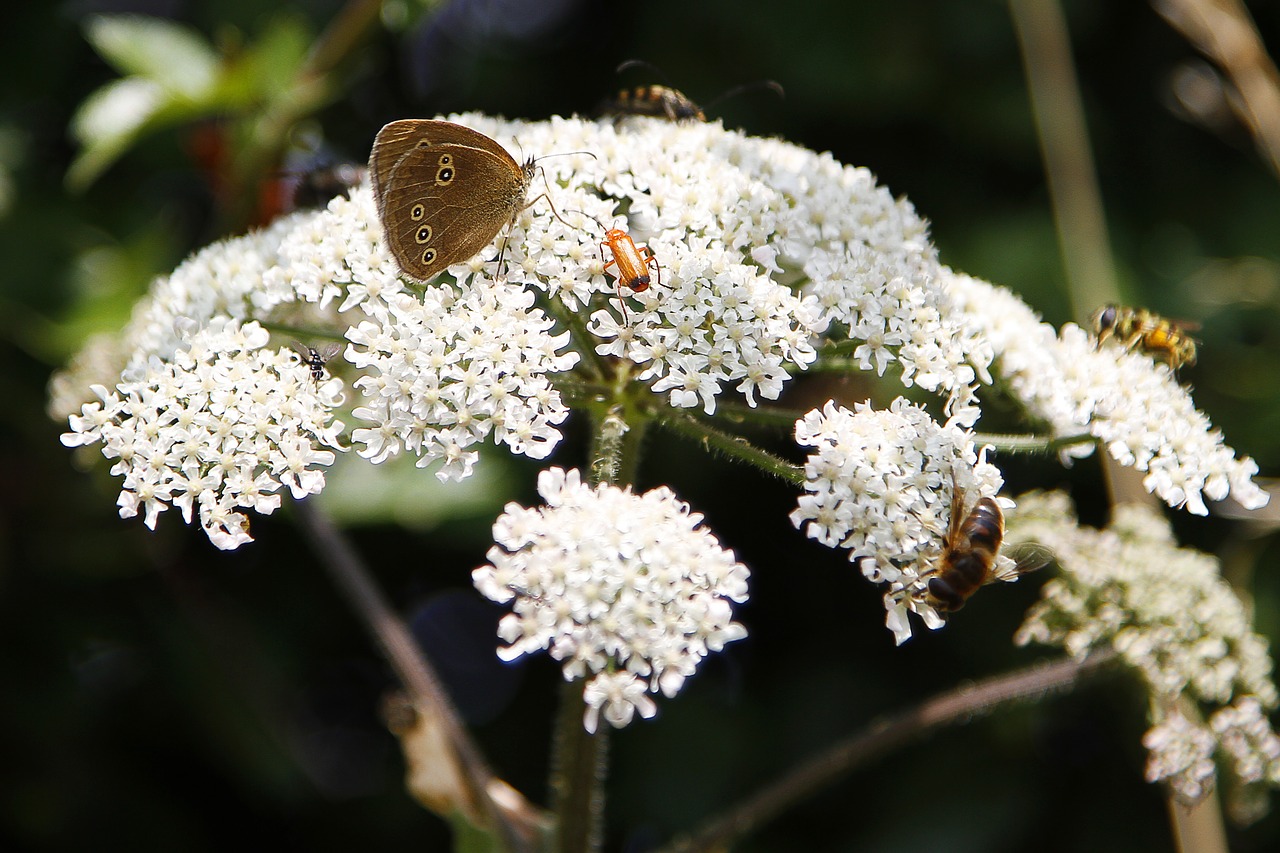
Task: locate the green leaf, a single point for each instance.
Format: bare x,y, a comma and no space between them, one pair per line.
108,122
268,67
173,56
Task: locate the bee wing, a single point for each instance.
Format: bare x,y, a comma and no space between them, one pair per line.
302,350
330,351
1026,557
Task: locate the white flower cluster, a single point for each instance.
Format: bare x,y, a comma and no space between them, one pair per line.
629,591
1133,405
718,317
1169,614
880,483
1252,749
731,220
869,264
446,370
760,246
223,282
218,428
1180,754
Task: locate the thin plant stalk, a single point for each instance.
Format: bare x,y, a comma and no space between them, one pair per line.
426,692
877,739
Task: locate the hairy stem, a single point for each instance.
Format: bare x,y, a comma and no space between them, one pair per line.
577,780
579,758
733,446
1031,443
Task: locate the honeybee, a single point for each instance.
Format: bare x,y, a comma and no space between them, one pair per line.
969,555
316,359
1139,329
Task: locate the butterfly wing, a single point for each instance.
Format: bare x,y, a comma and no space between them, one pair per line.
443,203
398,138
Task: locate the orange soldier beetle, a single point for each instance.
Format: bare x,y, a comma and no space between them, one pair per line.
631,263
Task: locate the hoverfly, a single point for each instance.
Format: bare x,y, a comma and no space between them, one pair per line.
1139,329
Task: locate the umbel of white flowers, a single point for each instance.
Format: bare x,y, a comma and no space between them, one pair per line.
880,484
765,249
629,591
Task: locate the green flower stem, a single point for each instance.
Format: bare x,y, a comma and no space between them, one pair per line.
733,446
882,736
844,347
580,762
580,759
1031,443
304,333
762,415
826,364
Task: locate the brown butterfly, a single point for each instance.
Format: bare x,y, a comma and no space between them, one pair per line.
444,191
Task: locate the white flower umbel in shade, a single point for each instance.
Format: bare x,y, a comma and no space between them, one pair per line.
1252,752
218,428
1171,617
629,591
1180,754
880,484
1132,404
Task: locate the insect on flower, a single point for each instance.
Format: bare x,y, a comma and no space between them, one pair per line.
631,263
969,554
658,101
655,101
316,358
1139,329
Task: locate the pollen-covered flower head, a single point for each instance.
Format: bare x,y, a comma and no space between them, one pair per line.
1172,618
629,591
880,483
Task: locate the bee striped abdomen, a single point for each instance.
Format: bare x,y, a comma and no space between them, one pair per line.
985,527
968,560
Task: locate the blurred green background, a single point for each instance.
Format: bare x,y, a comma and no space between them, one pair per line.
157,694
